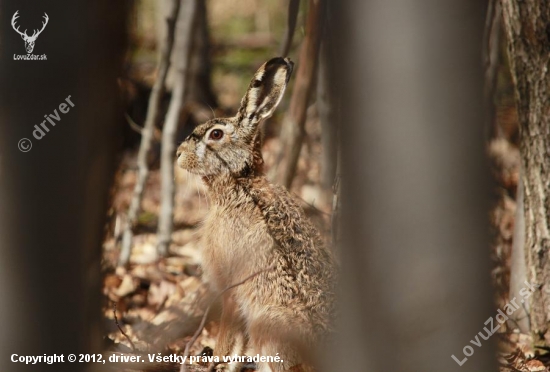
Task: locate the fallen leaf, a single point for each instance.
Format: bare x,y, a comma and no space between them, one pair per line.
127,286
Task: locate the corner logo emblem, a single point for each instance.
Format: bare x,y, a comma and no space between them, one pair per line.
29,40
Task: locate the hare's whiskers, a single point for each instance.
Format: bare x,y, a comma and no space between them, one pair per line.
211,109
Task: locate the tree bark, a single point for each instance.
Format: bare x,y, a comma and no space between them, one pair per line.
527,27
173,118
152,120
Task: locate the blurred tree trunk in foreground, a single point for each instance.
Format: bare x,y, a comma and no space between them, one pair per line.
527,28
415,261
54,198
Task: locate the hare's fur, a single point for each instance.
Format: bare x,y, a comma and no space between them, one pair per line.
255,227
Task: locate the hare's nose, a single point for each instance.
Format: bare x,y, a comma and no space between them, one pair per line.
178,153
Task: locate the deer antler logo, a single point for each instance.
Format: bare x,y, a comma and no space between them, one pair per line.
29,40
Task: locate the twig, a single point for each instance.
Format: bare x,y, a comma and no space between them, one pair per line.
190,343
136,128
311,205
121,330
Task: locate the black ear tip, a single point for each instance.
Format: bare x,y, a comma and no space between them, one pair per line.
280,61
276,63
290,65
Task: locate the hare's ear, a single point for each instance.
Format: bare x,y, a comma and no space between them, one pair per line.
264,93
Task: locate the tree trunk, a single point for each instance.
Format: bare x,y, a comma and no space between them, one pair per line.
527,27
54,198
199,85
415,285
173,118
293,128
292,16
328,119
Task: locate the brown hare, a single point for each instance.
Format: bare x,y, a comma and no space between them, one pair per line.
253,227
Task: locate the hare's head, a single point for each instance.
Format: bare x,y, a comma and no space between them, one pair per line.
227,146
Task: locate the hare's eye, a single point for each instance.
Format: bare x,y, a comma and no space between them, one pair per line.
216,134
